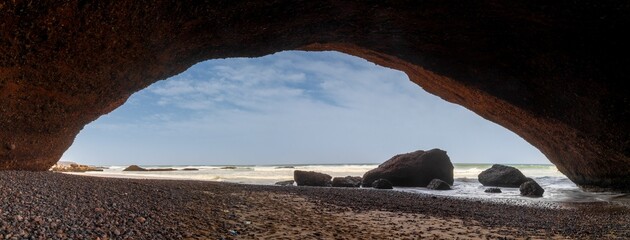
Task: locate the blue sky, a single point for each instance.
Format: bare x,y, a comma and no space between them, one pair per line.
290,107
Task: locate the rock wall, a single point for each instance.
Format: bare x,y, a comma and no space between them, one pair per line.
550,72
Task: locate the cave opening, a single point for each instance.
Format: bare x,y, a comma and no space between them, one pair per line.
291,107
550,73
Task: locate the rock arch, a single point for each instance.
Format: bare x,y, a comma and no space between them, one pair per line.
552,72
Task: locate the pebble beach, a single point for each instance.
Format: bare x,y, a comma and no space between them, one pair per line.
49,205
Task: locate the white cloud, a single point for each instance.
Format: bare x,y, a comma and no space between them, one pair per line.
175,88
252,86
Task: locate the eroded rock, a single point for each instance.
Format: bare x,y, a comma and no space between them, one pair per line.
382,184
347,181
531,189
502,176
415,169
438,184
553,74
134,168
74,167
310,178
493,190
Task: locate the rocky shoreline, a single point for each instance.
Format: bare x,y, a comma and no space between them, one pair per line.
62,166
54,205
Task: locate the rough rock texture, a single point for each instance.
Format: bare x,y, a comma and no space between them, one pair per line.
493,190
347,181
74,167
135,168
310,178
552,72
382,184
437,184
285,183
415,169
502,176
531,189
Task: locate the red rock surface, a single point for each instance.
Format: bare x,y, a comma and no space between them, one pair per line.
552,72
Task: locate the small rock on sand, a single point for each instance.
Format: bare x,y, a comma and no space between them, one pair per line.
140,219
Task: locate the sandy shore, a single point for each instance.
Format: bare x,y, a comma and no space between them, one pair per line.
42,205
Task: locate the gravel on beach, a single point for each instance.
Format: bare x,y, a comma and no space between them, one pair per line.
48,205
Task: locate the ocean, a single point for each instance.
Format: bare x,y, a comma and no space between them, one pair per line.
558,188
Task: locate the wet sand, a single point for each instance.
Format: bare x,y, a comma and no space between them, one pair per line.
42,205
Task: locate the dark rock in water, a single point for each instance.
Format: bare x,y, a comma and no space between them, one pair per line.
502,176
415,169
285,183
229,167
382,184
190,169
310,178
438,184
348,181
531,189
135,168
493,190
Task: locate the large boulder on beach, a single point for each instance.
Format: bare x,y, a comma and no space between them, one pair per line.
437,184
502,176
382,184
310,178
135,168
531,189
415,169
348,181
